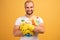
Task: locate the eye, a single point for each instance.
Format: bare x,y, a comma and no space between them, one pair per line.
31,7
27,7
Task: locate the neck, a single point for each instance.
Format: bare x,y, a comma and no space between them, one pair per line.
29,16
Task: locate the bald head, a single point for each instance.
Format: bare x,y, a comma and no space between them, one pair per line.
29,2
29,6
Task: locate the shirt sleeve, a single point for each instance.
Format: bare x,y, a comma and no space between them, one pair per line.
40,20
18,21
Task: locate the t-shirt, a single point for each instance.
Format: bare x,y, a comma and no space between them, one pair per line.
36,19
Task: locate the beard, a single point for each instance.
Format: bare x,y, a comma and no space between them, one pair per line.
29,12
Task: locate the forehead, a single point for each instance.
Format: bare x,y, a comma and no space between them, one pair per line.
29,4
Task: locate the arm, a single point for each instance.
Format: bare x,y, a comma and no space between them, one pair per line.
39,29
16,31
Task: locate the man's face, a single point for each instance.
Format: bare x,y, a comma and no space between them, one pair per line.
29,8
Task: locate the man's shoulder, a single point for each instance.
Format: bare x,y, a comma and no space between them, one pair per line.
38,17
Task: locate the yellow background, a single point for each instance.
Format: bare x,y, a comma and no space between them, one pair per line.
49,10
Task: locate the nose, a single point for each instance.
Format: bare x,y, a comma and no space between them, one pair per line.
29,8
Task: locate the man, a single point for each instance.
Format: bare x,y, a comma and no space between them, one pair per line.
29,8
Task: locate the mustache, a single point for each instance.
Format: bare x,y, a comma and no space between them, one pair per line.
29,10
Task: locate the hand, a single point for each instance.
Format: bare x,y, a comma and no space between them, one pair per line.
36,29
39,29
